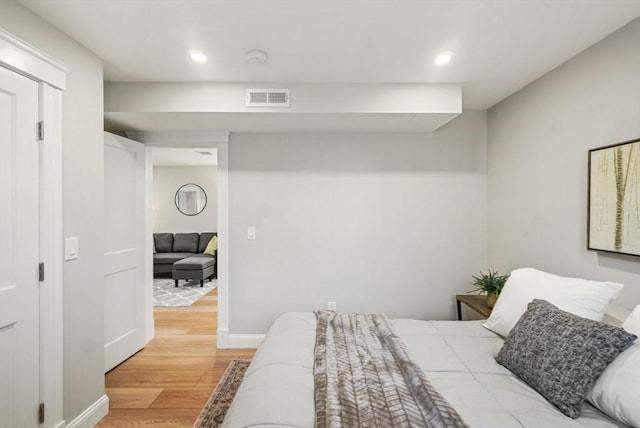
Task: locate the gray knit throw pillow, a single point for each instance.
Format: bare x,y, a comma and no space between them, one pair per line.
559,354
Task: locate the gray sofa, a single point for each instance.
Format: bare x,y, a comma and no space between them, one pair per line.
170,248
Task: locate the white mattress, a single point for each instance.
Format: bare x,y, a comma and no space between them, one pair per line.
457,356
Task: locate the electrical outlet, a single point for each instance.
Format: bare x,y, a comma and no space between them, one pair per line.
331,306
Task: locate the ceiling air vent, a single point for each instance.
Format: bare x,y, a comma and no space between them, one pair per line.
267,98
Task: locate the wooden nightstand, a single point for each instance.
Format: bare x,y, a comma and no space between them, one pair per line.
476,302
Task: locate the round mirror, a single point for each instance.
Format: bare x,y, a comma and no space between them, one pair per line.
191,199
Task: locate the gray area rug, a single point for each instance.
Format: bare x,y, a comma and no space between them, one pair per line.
186,294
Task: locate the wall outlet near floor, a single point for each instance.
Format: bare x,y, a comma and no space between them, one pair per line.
251,232
331,306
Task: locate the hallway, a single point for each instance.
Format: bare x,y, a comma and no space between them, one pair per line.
169,381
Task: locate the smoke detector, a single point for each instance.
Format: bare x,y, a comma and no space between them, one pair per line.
257,56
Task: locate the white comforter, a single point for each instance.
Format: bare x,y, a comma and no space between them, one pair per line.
458,357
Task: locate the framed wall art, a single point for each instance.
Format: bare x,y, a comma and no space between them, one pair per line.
614,198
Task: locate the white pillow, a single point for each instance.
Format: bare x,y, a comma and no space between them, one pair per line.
632,323
617,390
587,299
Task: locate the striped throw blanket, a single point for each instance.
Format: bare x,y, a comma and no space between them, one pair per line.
364,378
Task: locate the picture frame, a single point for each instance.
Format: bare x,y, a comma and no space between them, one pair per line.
613,213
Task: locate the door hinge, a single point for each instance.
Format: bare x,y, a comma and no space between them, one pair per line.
41,130
41,272
41,413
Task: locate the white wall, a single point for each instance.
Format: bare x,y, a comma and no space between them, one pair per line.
166,182
537,162
227,97
376,222
82,136
315,107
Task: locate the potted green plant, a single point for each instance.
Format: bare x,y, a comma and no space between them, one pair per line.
490,283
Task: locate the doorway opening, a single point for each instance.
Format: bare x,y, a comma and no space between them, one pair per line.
175,373
185,225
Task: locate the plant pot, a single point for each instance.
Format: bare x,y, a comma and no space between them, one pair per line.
491,300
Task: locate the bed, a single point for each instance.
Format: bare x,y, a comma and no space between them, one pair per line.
458,358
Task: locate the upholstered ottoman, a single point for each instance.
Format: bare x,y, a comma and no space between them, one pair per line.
199,266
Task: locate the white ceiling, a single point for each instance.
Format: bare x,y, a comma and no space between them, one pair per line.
499,46
164,156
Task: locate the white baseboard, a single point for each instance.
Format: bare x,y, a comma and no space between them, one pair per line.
92,415
61,424
245,340
222,339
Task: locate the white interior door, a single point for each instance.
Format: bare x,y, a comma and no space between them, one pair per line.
19,254
124,203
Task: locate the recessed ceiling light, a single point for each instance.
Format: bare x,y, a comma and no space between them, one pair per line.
443,58
198,56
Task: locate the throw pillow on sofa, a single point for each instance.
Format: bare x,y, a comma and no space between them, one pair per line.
212,246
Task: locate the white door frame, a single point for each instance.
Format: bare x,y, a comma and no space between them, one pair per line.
51,74
200,139
223,245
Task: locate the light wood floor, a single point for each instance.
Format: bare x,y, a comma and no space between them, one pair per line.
168,382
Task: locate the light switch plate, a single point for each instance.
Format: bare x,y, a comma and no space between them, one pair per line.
251,232
71,248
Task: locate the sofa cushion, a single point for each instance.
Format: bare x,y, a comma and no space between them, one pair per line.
169,258
194,263
204,256
204,240
163,242
193,274
185,243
